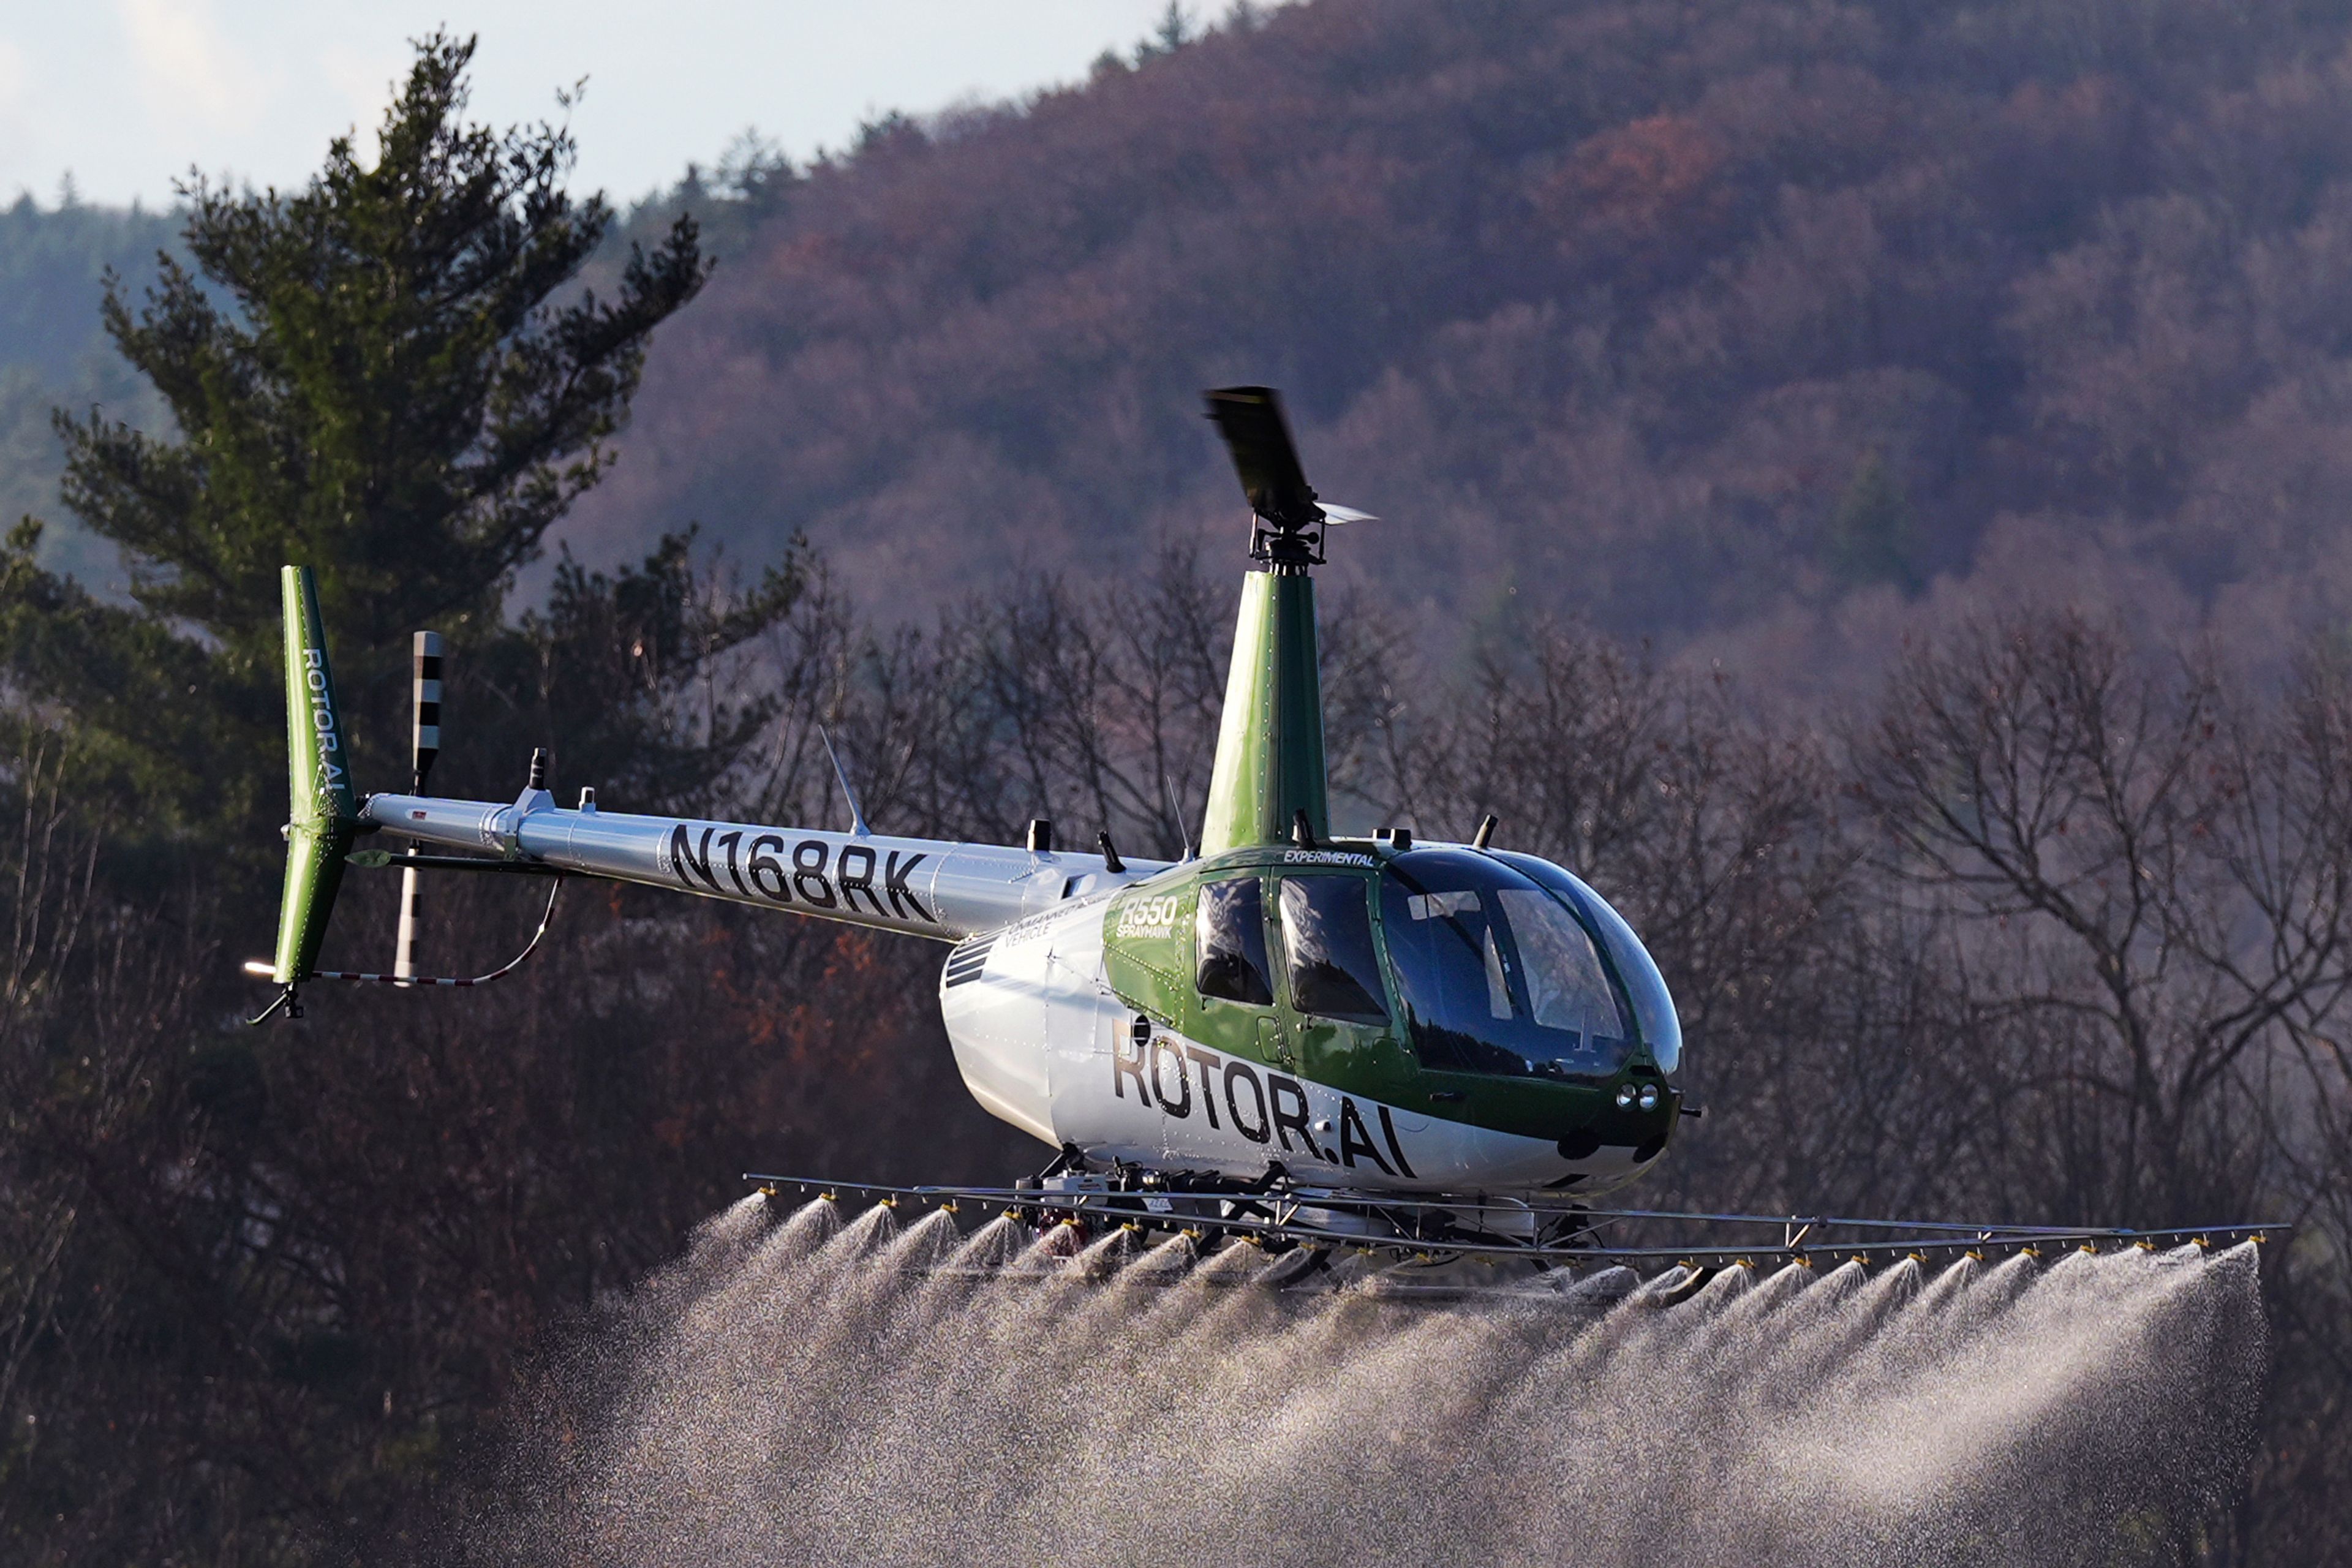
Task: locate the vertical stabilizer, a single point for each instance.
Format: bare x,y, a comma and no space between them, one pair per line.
324,814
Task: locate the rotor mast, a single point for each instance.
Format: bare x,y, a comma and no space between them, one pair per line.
1269,772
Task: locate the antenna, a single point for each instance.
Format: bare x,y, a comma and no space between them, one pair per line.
1176,816
425,746
856,813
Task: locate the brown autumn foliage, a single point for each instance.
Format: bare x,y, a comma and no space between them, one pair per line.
1679,318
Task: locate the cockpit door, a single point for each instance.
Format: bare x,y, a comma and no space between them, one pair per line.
1234,972
1337,1011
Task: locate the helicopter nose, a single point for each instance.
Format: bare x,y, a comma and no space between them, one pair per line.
1637,1118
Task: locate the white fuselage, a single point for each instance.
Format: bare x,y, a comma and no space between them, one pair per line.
1040,1037
1043,1043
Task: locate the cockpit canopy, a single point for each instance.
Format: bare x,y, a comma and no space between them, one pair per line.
1501,963
1504,971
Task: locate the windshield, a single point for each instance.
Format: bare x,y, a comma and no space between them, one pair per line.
1495,973
1654,1008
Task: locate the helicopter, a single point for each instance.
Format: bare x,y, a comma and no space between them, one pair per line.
1291,1032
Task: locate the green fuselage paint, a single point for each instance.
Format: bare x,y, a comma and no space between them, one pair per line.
1151,959
1270,768
1269,764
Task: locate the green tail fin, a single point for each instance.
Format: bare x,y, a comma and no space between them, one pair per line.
325,815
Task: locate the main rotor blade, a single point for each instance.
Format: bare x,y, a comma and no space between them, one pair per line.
1250,419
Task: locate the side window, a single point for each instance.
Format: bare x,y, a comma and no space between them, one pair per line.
1232,929
1326,927
1449,972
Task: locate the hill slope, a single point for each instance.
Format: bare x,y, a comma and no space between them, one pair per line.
53,352
1675,314
1683,316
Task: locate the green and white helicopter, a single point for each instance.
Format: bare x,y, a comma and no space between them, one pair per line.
1298,1035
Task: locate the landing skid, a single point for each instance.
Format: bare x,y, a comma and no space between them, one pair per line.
1281,1215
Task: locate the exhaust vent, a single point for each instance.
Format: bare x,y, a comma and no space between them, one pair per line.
967,961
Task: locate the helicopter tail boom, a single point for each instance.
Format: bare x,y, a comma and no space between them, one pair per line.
921,887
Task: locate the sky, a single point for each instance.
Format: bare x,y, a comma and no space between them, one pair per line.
126,95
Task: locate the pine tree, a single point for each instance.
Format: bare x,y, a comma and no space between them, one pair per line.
388,375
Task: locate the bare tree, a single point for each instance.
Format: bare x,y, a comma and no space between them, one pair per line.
2135,861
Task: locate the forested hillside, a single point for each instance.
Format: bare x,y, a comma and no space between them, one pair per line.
1684,317
1679,315
53,354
